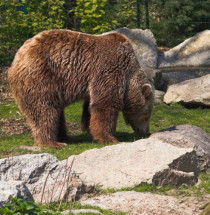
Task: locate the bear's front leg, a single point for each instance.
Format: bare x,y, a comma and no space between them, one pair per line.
103,125
45,127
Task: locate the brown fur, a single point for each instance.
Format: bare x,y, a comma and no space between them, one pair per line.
58,67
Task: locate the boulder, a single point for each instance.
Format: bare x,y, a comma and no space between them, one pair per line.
188,136
144,45
129,164
194,51
191,92
47,178
136,203
14,189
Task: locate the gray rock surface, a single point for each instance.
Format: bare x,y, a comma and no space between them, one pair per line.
46,178
14,189
194,51
191,92
135,203
159,96
175,77
144,161
188,136
144,45
168,76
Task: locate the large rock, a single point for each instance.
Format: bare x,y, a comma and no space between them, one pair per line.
144,45
146,204
188,136
45,177
194,51
130,164
191,92
14,189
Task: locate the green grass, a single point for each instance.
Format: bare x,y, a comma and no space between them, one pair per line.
9,110
76,206
163,116
198,190
144,187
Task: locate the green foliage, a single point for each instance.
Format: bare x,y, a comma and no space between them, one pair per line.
20,20
170,21
126,13
17,206
174,21
95,16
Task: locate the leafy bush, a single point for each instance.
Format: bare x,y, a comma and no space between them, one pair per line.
17,206
95,16
19,21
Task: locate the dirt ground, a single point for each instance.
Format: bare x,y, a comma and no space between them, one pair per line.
5,94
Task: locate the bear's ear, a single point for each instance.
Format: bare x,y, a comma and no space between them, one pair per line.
146,90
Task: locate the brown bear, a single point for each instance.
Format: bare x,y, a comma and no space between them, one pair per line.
58,67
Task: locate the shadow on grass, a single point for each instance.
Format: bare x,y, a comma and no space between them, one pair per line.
86,138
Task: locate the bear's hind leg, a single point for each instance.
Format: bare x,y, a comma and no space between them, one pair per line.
62,131
103,125
62,135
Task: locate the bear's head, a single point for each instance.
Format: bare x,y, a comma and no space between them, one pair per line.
138,103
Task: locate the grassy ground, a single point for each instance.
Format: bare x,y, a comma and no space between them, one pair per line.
15,137
164,116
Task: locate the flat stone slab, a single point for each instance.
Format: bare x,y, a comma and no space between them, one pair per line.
191,92
129,164
135,203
